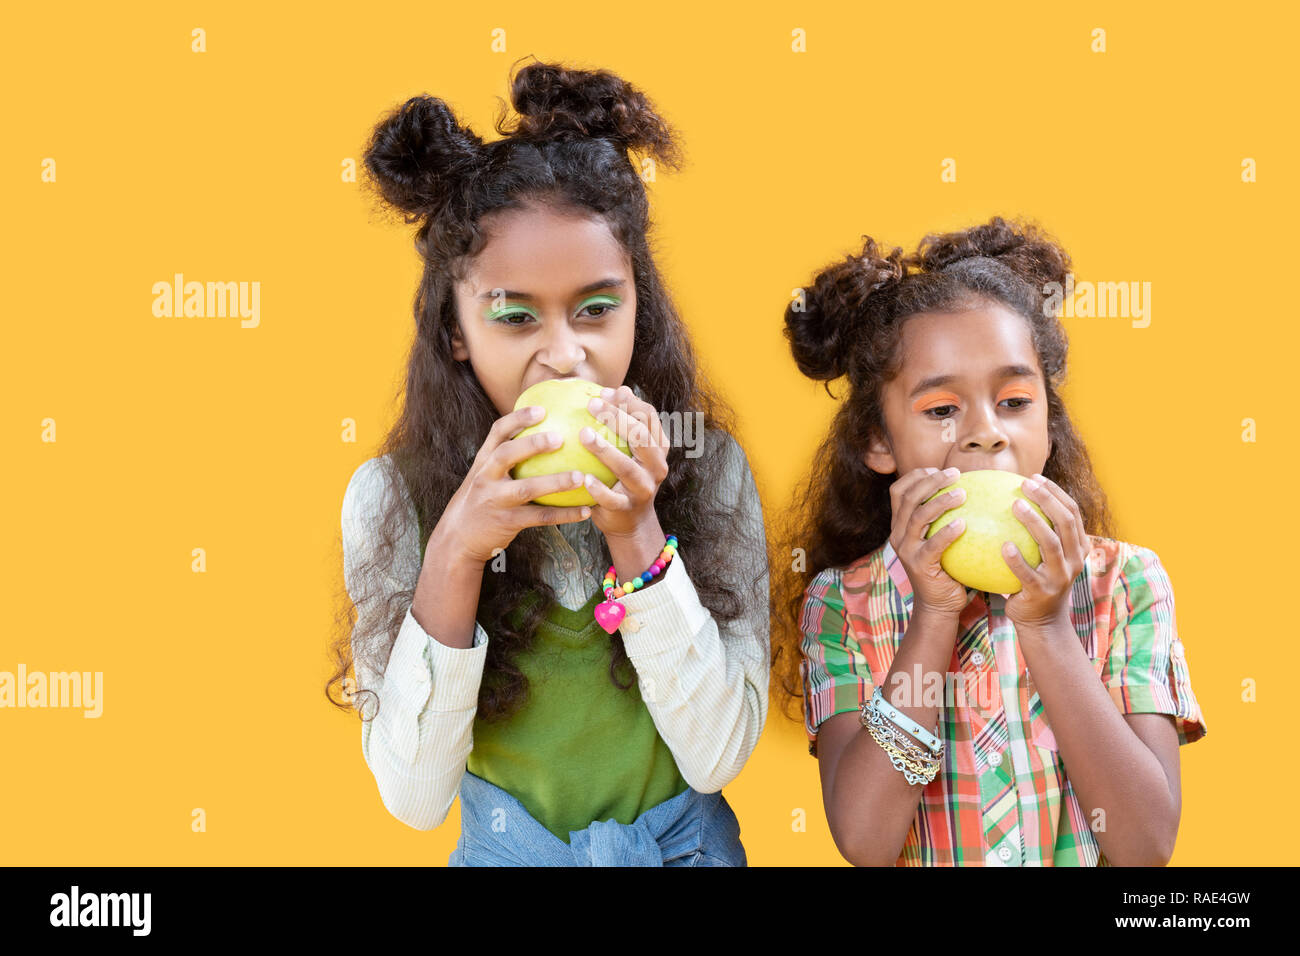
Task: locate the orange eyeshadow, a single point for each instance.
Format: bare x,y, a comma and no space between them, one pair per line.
935,400
1016,391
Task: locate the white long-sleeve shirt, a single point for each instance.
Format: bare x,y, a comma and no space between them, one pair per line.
705,684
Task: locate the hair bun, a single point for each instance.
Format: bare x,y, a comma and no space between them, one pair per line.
553,101
820,334
418,151
1022,246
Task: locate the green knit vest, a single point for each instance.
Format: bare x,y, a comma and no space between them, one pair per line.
579,750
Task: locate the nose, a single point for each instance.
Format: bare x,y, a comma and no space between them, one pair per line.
982,431
561,350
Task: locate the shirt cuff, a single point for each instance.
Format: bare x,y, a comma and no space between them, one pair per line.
669,614
420,665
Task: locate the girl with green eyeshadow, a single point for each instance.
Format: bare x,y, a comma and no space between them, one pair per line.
580,721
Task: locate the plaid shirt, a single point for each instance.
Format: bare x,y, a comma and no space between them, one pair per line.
1002,797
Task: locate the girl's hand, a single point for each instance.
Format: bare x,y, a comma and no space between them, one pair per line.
1044,597
627,507
490,508
932,588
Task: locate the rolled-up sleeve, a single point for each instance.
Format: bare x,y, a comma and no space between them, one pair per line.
836,676
417,743
1146,669
704,683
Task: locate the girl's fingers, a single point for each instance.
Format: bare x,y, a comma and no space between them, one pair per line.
1065,514
512,424
1049,543
531,516
1057,492
1019,566
621,423
643,412
930,511
922,512
605,496
899,489
524,490
625,469
934,547
656,427
646,449
512,452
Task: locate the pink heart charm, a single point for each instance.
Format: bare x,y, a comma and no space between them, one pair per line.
609,614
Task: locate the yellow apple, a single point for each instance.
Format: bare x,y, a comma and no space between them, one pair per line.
975,559
565,401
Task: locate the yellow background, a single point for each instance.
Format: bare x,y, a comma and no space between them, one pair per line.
225,165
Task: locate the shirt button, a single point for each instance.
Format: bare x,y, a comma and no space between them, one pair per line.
977,659
1004,853
570,564
995,759
1178,649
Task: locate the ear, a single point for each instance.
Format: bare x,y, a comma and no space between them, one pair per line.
458,350
880,458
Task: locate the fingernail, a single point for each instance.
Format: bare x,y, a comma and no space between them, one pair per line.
535,411
587,434
952,472
576,477
554,438
606,393
589,481
1030,484
594,405
931,471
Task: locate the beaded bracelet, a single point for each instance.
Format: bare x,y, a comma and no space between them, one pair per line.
609,613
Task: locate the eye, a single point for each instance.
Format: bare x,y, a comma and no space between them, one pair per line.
1025,402
938,408
506,318
599,306
603,306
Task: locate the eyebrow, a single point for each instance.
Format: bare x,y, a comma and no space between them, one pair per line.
589,287
1006,371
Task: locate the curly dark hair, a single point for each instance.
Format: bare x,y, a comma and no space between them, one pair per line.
849,323
567,150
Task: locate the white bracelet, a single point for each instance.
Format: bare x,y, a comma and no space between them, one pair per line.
907,723
904,753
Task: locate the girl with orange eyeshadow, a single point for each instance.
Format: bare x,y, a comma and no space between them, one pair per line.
944,717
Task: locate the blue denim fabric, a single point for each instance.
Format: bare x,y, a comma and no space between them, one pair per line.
690,829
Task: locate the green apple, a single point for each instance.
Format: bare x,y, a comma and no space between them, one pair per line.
975,559
565,401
